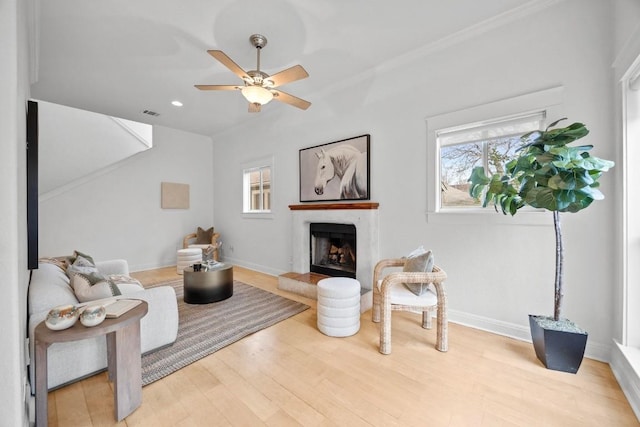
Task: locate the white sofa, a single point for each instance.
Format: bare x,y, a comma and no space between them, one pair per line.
67,362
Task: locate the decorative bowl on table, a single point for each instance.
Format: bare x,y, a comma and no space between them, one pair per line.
93,315
61,317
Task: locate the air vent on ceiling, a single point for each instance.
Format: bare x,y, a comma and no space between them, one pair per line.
151,113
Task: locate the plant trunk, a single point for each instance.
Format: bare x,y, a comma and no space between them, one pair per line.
557,306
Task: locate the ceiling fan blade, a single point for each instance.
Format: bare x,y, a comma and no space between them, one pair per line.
254,107
289,75
218,87
290,99
228,62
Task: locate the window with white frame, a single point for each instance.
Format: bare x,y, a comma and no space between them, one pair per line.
491,144
256,184
485,135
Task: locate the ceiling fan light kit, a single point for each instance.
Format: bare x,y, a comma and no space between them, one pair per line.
256,94
259,87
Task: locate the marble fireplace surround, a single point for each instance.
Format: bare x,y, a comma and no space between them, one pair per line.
363,215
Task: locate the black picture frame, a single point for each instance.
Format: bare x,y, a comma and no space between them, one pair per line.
338,170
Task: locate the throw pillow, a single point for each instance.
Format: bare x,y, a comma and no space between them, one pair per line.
86,267
418,261
114,285
203,237
88,257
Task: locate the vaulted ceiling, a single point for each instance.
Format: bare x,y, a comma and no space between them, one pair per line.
120,57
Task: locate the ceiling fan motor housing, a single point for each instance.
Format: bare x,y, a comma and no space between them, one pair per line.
258,41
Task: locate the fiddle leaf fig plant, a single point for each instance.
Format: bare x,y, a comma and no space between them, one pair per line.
547,174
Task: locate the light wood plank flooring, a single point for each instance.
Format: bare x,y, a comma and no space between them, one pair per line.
290,374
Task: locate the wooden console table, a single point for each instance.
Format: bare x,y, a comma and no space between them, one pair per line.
123,359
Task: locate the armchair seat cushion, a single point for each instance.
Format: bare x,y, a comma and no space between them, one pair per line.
401,295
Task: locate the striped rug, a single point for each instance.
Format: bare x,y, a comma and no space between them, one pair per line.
206,328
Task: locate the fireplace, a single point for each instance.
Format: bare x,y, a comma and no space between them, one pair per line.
332,249
362,217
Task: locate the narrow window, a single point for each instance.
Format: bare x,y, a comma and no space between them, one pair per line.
257,189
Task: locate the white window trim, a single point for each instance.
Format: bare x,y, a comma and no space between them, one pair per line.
255,164
549,100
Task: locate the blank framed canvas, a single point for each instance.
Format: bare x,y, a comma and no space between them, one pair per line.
175,196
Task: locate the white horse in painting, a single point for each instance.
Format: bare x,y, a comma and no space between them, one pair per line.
347,163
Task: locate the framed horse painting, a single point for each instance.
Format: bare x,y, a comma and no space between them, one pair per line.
335,171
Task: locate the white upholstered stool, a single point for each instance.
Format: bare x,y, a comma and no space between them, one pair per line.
188,257
339,306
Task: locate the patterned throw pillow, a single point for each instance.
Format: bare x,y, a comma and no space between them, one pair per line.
86,267
203,237
114,285
76,254
417,262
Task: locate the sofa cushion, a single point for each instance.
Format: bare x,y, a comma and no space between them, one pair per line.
114,285
49,287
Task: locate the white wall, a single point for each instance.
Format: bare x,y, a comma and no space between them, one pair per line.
118,215
391,103
13,248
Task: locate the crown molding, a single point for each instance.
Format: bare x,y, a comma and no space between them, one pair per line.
468,33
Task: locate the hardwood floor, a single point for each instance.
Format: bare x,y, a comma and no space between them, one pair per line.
290,374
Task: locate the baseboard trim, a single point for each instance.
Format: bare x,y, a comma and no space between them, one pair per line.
153,266
594,350
252,266
625,364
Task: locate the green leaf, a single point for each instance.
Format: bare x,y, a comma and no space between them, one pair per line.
556,122
545,199
594,163
592,192
583,179
563,181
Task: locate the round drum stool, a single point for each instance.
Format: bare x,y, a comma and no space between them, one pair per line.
188,257
339,306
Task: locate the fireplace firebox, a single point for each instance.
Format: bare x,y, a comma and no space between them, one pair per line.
333,249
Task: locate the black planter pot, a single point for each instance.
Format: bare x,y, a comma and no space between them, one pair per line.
560,350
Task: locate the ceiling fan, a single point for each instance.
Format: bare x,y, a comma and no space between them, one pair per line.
259,87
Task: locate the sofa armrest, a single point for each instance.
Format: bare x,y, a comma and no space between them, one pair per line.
113,266
160,326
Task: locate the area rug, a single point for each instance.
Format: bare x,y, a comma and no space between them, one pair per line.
206,328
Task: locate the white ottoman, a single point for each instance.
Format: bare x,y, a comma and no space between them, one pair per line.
188,257
339,306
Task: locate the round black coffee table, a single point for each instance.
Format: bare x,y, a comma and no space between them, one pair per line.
204,287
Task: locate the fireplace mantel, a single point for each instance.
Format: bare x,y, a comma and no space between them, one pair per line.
331,206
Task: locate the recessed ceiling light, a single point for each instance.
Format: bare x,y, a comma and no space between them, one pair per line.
176,103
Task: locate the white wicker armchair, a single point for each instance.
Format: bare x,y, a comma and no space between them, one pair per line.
390,294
